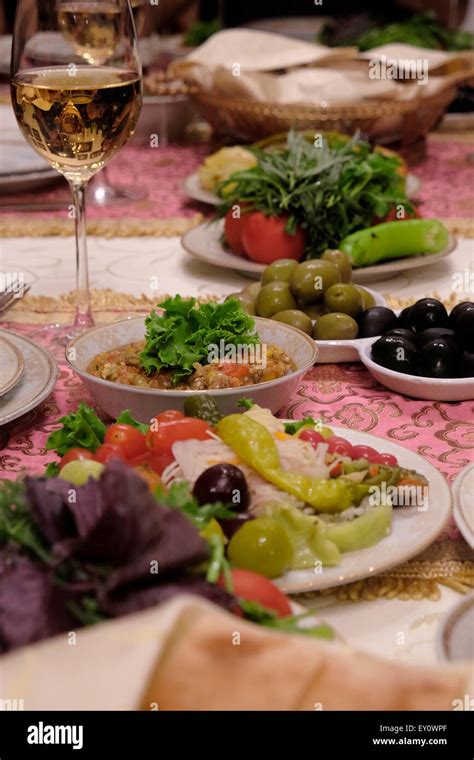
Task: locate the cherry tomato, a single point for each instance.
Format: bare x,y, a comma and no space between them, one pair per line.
75,454
170,416
364,452
161,439
128,438
339,445
232,369
149,475
312,436
108,451
387,459
233,231
265,239
155,462
255,588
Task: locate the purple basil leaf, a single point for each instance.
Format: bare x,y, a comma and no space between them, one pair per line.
31,606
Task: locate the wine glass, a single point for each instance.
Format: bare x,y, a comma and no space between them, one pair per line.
76,90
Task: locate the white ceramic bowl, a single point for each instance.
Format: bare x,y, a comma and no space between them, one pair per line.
144,403
450,389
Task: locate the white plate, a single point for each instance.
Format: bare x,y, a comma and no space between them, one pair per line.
21,167
463,491
192,186
204,243
36,383
449,389
455,639
413,530
11,365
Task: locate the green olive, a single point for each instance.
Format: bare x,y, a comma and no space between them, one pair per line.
341,260
314,310
253,289
274,297
312,278
245,300
261,545
344,297
295,318
368,301
280,270
335,327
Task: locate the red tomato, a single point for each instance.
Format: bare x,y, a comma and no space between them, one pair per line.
312,436
392,215
108,451
161,438
128,438
155,462
233,231
170,416
74,454
265,239
255,588
364,452
233,369
387,459
338,445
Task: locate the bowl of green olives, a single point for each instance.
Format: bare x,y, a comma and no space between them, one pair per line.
426,353
318,297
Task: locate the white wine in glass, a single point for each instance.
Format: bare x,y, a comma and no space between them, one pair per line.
76,91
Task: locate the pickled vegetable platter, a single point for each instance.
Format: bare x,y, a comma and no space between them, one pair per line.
295,502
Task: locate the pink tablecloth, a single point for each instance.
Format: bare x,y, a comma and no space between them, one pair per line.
345,395
161,171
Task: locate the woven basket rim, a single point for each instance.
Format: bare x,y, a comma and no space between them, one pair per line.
382,107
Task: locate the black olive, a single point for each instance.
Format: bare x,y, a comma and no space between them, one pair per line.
376,321
459,309
223,482
427,312
437,359
402,332
465,329
403,317
395,352
232,525
466,368
435,332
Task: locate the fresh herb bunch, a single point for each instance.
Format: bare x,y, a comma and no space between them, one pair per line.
182,336
329,188
421,30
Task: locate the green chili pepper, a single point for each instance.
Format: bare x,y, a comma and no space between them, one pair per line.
363,531
393,240
255,445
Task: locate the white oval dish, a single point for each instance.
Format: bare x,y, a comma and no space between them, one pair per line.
413,529
145,403
204,242
450,389
455,637
11,365
463,491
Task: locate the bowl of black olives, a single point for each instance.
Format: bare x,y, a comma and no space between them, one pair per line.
425,352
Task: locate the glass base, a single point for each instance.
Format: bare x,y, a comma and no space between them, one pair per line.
55,338
100,193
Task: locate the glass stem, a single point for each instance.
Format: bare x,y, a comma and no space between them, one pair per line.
83,318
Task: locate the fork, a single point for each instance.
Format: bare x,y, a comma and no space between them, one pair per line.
8,297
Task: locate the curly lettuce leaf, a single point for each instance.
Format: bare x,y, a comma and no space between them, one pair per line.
184,333
81,429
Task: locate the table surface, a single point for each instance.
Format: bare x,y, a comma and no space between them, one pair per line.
403,630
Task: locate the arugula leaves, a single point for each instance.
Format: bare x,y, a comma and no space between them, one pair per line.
329,189
256,613
82,428
126,419
180,497
16,523
184,334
